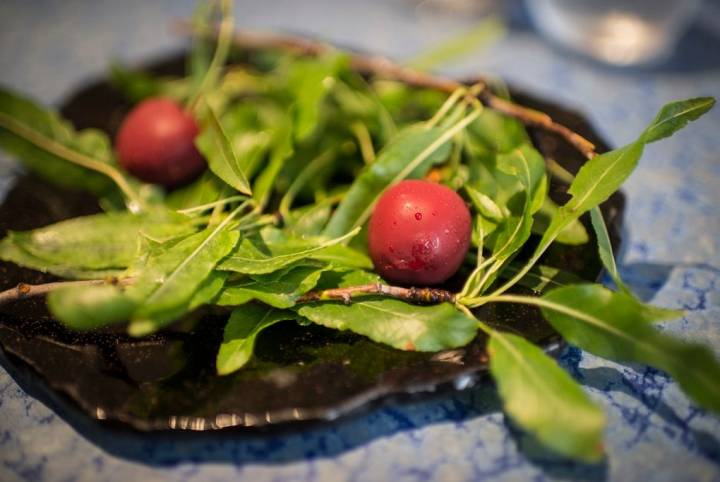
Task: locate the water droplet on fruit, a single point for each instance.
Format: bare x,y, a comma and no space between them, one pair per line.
418,216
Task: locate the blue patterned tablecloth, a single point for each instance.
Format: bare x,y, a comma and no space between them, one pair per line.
671,257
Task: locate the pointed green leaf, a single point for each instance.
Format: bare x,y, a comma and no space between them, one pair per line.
344,277
278,293
601,176
544,399
527,166
340,255
396,323
217,149
99,241
39,138
259,256
283,148
242,329
169,279
617,326
10,251
573,234
604,174
541,277
309,81
484,204
605,249
675,115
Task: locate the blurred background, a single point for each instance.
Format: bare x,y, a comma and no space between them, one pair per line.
615,61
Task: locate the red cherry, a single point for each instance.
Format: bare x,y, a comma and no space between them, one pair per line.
419,233
156,143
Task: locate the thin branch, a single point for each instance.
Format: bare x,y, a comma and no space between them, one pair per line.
24,290
422,296
538,119
387,69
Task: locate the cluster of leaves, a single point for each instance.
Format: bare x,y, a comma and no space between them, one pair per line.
312,143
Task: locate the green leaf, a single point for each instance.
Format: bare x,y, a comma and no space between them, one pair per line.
617,326
410,154
278,293
395,323
242,328
675,115
528,167
89,307
604,174
601,176
215,146
605,249
259,256
544,399
96,242
253,127
344,277
308,82
574,234
308,220
340,255
169,279
484,205
207,292
541,277
10,251
283,148
26,131
496,132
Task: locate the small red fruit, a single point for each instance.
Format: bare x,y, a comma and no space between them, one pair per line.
419,233
156,143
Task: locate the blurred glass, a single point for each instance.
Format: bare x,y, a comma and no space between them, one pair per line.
619,32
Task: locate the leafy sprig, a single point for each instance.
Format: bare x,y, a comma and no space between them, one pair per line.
299,150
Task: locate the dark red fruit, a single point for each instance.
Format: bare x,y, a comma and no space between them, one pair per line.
156,143
419,233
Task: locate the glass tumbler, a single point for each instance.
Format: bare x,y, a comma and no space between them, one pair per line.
618,32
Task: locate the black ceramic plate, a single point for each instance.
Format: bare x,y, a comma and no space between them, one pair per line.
167,381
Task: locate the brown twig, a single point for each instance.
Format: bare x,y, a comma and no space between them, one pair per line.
422,296
411,295
24,290
387,69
